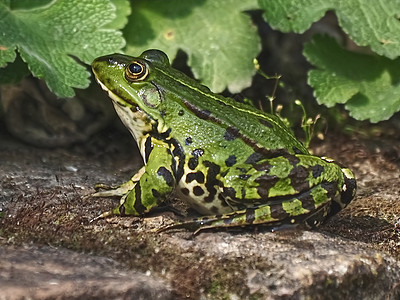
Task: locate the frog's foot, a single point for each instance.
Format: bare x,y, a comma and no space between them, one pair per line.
117,191
110,191
270,216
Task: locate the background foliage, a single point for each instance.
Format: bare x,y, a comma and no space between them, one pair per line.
56,40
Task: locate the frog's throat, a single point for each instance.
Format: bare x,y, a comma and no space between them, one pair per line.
135,120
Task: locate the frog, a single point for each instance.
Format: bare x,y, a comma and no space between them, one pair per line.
234,164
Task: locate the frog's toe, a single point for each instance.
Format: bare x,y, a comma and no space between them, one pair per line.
113,191
117,211
192,226
101,186
108,193
102,216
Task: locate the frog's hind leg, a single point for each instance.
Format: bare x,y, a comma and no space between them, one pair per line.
286,214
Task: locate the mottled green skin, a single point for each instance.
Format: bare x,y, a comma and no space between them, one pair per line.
229,161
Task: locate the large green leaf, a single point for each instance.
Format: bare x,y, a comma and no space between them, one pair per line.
50,36
219,39
373,23
367,84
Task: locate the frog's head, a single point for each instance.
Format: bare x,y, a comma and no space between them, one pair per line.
132,83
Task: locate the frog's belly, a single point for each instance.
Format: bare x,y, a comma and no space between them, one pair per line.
206,202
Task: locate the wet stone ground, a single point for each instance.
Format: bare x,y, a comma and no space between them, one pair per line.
50,250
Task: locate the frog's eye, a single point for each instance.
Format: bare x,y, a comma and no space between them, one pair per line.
136,71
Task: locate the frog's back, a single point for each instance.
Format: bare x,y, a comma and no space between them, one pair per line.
265,133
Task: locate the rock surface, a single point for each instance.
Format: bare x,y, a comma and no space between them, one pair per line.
51,273
44,212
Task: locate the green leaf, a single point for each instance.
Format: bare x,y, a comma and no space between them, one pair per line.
367,84
7,54
27,4
48,37
123,10
219,39
373,23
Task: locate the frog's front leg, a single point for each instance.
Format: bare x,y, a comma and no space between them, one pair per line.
149,187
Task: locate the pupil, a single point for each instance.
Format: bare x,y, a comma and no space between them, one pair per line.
135,68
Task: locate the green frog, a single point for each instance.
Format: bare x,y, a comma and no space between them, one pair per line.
232,163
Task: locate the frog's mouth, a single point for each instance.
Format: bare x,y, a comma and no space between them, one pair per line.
109,92
116,98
